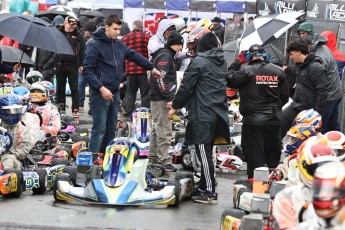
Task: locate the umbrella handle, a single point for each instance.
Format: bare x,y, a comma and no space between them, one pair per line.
20,61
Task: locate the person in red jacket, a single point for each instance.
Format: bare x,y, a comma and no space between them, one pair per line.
136,75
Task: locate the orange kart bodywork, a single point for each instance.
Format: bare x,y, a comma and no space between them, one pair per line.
8,183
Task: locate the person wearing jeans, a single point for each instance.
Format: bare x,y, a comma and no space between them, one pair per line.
103,71
106,116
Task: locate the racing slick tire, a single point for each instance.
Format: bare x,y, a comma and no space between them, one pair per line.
19,184
81,130
177,194
186,175
77,137
42,174
72,171
60,161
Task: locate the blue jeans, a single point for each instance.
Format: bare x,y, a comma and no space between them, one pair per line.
81,88
104,116
330,116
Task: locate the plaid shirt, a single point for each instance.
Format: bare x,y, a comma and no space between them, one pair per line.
136,40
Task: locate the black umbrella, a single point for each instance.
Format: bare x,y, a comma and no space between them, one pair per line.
91,13
275,53
11,54
32,31
56,10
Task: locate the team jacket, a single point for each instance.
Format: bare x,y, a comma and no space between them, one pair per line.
263,91
163,89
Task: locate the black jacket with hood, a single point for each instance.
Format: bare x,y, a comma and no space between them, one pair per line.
311,85
263,91
204,87
163,89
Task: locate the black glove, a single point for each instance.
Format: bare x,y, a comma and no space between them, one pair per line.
236,65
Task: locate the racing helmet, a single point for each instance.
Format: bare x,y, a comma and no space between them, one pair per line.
297,134
6,88
337,142
10,108
24,96
194,36
190,26
312,153
328,189
179,23
49,87
38,93
309,116
34,76
204,23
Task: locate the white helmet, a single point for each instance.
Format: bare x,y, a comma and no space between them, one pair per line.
38,93
34,76
179,24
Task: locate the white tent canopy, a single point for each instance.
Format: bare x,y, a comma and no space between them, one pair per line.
97,4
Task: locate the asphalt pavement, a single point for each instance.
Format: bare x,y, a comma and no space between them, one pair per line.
42,212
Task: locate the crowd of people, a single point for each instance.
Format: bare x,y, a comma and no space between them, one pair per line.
116,65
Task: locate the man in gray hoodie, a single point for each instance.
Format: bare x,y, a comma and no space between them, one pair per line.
335,94
160,38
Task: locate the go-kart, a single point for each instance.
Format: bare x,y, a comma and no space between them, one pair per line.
11,180
123,181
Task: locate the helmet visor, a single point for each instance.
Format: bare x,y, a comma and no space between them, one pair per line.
34,79
12,110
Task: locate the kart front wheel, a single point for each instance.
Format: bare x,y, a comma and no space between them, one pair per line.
72,172
19,183
226,222
62,177
42,180
177,194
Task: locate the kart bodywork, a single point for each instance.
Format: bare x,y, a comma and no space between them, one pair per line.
123,181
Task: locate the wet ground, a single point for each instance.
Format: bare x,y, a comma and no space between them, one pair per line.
42,212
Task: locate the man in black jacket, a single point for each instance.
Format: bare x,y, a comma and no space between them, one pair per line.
311,83
263,91
68,66
204,88
161,96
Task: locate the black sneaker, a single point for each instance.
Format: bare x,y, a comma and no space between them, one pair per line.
207,198
198,192
89,112
170,168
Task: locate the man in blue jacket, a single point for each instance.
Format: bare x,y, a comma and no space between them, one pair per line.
103,70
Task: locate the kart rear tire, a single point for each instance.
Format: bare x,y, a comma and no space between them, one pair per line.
177,194
178,136
20,183
72,171
186,159
42,174
62,177
76,137
60,161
